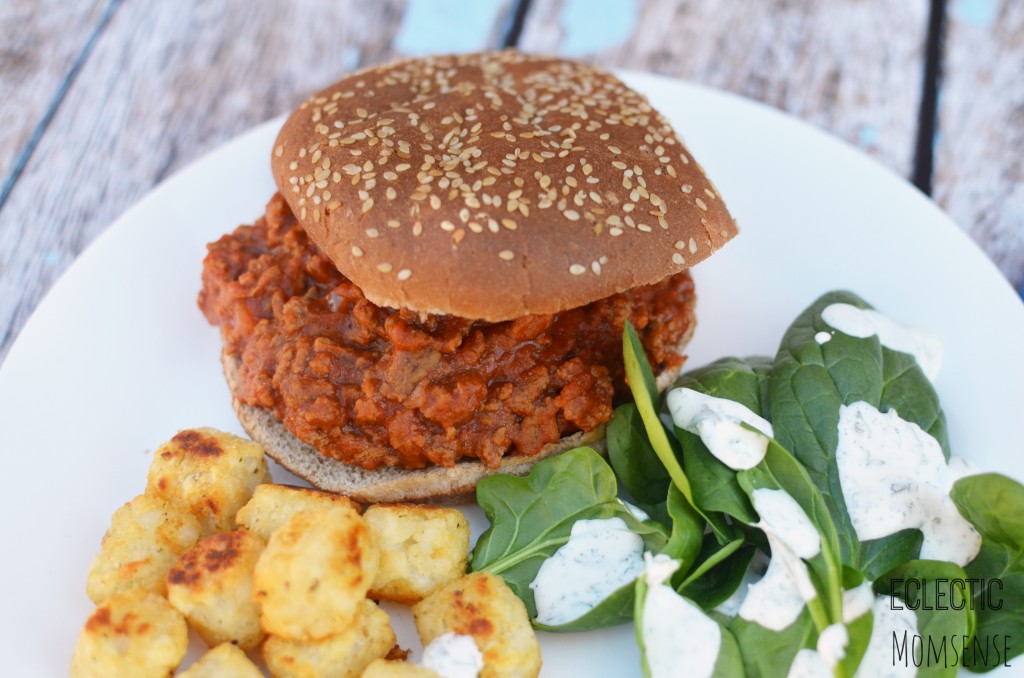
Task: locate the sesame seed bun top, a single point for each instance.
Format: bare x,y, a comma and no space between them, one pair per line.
495,185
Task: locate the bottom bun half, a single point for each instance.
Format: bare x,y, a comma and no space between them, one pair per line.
391,485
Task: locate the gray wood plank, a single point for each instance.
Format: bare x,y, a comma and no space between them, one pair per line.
39,41
979,153
853,68
166,82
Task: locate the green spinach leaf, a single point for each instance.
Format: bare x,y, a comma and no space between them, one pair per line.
645,394
767,653
809,382
729,662
636,464
934,590
714,484
719,572
994,504
532,517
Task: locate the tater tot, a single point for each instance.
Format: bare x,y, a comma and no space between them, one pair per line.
482,606
223,661
271,505
136,634
422,548
343,655
315,571
383,668
211,584
145,539
209,473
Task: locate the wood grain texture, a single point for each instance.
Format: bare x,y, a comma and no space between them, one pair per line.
979,155
851,67
39,41
166,82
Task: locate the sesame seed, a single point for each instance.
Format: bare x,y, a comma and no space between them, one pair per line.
571,215
394,223
701,204
447,226
687,188
384,267
404,274
693,246
596,267
677,259
356,251
576,269
679,245
506,255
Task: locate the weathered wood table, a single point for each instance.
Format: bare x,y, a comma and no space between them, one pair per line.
105,98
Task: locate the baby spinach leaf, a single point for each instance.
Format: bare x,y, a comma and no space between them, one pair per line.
687,534
719,572
729,662
767,653
636,464
714,484
779,470
532,517
811,380
878,556
933,589
614,610
645,394
994,504
858,633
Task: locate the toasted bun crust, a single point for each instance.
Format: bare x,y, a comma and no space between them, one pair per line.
495,185
390,485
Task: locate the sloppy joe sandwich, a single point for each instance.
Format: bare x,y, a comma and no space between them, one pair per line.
438,290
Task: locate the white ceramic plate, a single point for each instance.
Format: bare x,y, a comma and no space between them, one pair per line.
118,356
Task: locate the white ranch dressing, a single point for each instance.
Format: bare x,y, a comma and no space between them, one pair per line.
600,557
808,664
857,601
889,626
679,639
822,337
784,517
819,663
894,477
635,511
755,571
453,655
717,422
864,322
776,600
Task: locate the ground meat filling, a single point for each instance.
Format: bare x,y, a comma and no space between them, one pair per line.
375,386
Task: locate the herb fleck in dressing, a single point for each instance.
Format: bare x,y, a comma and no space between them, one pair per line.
717,422
679,639
863,323
777,599
600,557
894,477
453,655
